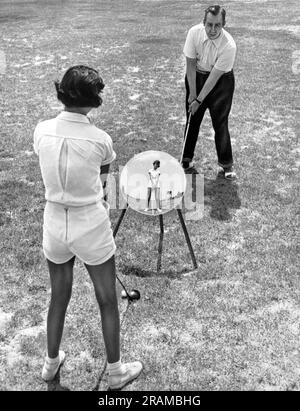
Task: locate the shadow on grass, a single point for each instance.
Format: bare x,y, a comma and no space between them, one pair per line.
222,195
55,385
140,272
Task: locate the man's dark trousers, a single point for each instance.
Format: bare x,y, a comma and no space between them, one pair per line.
218,101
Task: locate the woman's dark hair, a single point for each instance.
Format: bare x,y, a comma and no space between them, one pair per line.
215,10
156,162
80,87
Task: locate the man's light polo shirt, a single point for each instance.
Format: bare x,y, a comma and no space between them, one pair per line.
219,53
71,151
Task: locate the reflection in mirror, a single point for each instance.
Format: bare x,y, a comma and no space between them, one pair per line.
153,182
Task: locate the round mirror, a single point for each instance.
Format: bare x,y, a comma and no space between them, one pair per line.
153,182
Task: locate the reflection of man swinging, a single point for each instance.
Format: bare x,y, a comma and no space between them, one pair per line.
153,185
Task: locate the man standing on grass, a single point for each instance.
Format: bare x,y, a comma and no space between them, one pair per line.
210,53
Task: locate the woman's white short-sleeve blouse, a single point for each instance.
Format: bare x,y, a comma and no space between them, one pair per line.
71,151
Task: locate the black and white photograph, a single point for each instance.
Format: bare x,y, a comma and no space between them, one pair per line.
149,198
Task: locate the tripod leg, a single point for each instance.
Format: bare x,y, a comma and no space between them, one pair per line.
160,245
120,220
187,237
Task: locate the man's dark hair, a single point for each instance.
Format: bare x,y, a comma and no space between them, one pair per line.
156,162
80,87
215,10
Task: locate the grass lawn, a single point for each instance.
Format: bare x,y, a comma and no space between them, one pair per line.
233,324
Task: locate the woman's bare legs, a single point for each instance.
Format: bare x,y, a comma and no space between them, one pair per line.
103,277
149,197
104,280
157,197
61,278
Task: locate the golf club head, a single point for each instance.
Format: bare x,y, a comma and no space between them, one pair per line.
135,294
132,295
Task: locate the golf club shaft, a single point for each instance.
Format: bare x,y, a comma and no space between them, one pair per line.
185,136
114,234
128,296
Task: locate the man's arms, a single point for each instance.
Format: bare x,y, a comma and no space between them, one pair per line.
210,83
191,77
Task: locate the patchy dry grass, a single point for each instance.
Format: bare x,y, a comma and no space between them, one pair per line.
234,323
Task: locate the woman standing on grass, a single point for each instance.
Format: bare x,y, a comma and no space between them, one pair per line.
74,158
154,186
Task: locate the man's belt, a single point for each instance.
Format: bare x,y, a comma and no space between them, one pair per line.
202,71
208,72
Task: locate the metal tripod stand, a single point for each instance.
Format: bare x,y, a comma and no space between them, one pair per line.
161,236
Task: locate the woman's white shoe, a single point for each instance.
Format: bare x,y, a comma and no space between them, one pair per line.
51,367
126,373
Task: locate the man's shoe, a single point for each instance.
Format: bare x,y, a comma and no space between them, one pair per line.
126,374
185,163
229,174
188,166
191,170
51,366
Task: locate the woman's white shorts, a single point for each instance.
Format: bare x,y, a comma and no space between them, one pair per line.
81,231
